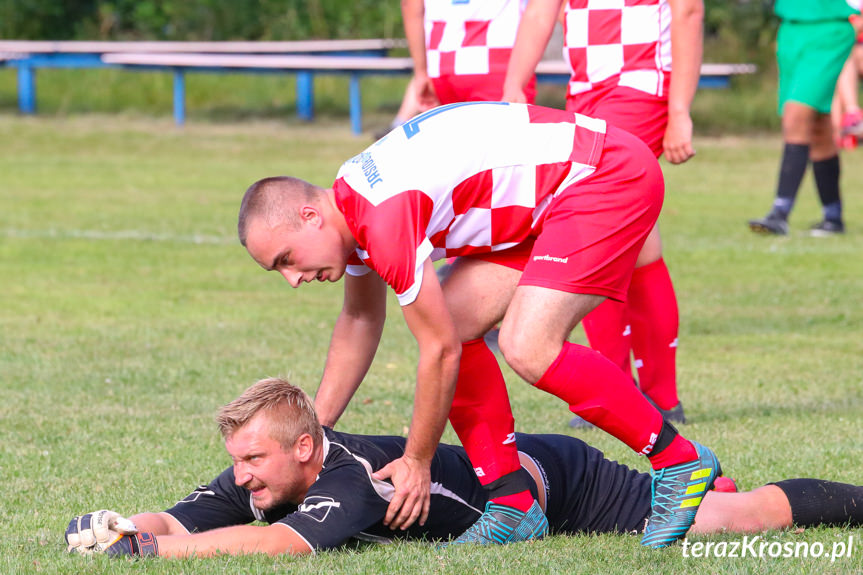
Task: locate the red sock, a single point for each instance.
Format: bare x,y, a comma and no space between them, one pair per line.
599,392
652,310
607,330
679,451
482,418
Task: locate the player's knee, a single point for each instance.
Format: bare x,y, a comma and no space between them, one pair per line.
517,353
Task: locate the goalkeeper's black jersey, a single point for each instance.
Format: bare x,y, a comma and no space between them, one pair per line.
585,492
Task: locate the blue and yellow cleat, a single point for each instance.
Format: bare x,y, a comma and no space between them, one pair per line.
676,493
501,524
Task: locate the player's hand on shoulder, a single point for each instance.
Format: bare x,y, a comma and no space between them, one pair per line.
412,481
107,531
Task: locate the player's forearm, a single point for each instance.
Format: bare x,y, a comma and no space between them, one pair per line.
237,540
436,380
439,355
413,15
687,38
158,524
534,31
352,350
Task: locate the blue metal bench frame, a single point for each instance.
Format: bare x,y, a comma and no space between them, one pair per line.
29,56
225,57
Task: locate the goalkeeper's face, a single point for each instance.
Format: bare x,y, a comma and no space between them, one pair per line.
274,476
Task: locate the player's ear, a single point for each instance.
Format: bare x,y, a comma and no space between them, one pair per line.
304,447
310,214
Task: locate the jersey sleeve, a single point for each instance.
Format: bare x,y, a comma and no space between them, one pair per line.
339,505
221,503
391,233
356,266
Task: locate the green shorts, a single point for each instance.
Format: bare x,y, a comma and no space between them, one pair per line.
810,56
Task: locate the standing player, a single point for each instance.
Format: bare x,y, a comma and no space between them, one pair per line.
812,45
550,210
635,65
461,49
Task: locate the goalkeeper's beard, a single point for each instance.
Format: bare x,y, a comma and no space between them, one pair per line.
264,493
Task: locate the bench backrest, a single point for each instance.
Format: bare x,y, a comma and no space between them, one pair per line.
323,46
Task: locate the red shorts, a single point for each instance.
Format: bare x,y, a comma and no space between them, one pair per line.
593,231
637,112
475,88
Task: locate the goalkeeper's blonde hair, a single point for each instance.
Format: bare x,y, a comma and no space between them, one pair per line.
291,412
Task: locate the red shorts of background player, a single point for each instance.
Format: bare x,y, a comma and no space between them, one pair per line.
594,230
637,112
453,88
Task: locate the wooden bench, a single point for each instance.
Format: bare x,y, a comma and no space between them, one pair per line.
555,71
28,56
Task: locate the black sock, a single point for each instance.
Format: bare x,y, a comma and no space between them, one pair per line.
511,483
827,181
819,502
667,433
795,157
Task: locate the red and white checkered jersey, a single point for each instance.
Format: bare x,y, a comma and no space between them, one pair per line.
627,42
470,36
460,179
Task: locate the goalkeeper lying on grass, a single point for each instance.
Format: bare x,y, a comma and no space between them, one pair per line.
313,488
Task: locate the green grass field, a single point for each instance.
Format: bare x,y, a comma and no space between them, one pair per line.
130,313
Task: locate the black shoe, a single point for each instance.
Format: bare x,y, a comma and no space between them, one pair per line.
827,228
773,223
577,422
673,415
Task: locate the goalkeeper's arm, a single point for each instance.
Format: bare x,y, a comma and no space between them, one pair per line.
274,539
175,541
161,534
158,524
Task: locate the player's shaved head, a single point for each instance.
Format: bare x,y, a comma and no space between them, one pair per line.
272,201
290,411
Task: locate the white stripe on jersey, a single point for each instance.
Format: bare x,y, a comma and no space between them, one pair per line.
385,489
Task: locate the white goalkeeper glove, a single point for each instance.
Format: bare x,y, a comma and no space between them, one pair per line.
97,531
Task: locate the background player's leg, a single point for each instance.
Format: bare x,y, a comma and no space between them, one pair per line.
825,168
608,332
654,318
797,122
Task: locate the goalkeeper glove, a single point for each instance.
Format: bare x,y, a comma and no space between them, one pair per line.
108,532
